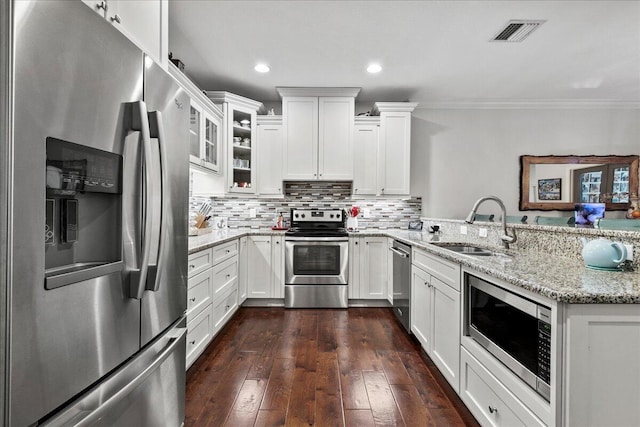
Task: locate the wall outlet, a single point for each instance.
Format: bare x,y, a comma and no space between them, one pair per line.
629,251
463,229
482,232
366,213
253,213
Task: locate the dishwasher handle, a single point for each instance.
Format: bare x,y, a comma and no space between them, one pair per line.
399,252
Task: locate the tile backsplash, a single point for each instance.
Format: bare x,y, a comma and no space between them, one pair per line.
383,213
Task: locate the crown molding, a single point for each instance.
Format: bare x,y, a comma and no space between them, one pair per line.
590,104
268,120
393,107
318,91
219,97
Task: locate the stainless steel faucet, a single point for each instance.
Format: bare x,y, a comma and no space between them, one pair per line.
506,239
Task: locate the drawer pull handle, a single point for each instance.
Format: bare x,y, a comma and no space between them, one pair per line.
192,299
192,266
227,308
492,409
192,342
228,275
228,250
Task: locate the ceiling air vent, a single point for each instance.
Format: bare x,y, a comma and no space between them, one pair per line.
516,30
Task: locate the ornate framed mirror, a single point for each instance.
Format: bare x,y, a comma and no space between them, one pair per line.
559,182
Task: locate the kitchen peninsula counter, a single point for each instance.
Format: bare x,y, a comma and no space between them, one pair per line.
558,278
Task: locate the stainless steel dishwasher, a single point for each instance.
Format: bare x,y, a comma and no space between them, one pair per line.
402,283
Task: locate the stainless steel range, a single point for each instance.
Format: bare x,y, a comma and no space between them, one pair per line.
316,259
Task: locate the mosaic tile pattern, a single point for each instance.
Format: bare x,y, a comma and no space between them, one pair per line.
384,213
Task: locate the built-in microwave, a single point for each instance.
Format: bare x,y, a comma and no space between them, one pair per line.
514,329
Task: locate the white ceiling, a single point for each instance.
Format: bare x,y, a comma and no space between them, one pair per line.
432,52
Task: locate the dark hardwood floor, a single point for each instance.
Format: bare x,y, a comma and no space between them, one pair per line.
355,367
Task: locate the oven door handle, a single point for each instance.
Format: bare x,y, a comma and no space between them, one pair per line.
316,239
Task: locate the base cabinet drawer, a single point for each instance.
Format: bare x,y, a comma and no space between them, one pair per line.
225,251
225,275
199,262
198,334
225,307
447,271
198,294
488,399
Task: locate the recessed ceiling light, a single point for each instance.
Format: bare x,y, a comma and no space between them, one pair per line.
374,68
262,68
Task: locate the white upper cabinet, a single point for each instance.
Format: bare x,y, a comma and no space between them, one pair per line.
335,137
240,138
145,22
300,134
318,133
205,136
394,152
205,126
365,165
269,155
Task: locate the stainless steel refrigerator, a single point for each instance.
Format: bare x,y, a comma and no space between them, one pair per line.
99,238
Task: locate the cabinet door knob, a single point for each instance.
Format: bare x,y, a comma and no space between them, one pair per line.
101,5
356,243
116,18
192,299
382,190
277,242
192,266
493,409
192,342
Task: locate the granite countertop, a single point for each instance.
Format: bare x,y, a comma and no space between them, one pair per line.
216,237
562,279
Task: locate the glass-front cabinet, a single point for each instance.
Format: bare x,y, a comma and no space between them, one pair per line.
240,137
205,137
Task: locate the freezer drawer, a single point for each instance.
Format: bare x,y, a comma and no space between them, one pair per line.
148,391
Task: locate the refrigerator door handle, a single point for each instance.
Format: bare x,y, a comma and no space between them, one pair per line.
111,402
140,123
156,131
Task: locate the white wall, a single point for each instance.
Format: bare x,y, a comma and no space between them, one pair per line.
461,155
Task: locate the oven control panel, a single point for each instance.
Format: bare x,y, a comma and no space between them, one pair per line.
317,215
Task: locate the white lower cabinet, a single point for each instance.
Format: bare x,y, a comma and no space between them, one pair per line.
421,296
602,365
490,402
265,267
243,258
212,294
199,333
368,268
435,311
224,308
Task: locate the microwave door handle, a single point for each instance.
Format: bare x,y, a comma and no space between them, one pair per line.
156,131
140,123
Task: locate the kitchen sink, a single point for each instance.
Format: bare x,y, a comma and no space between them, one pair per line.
467,249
